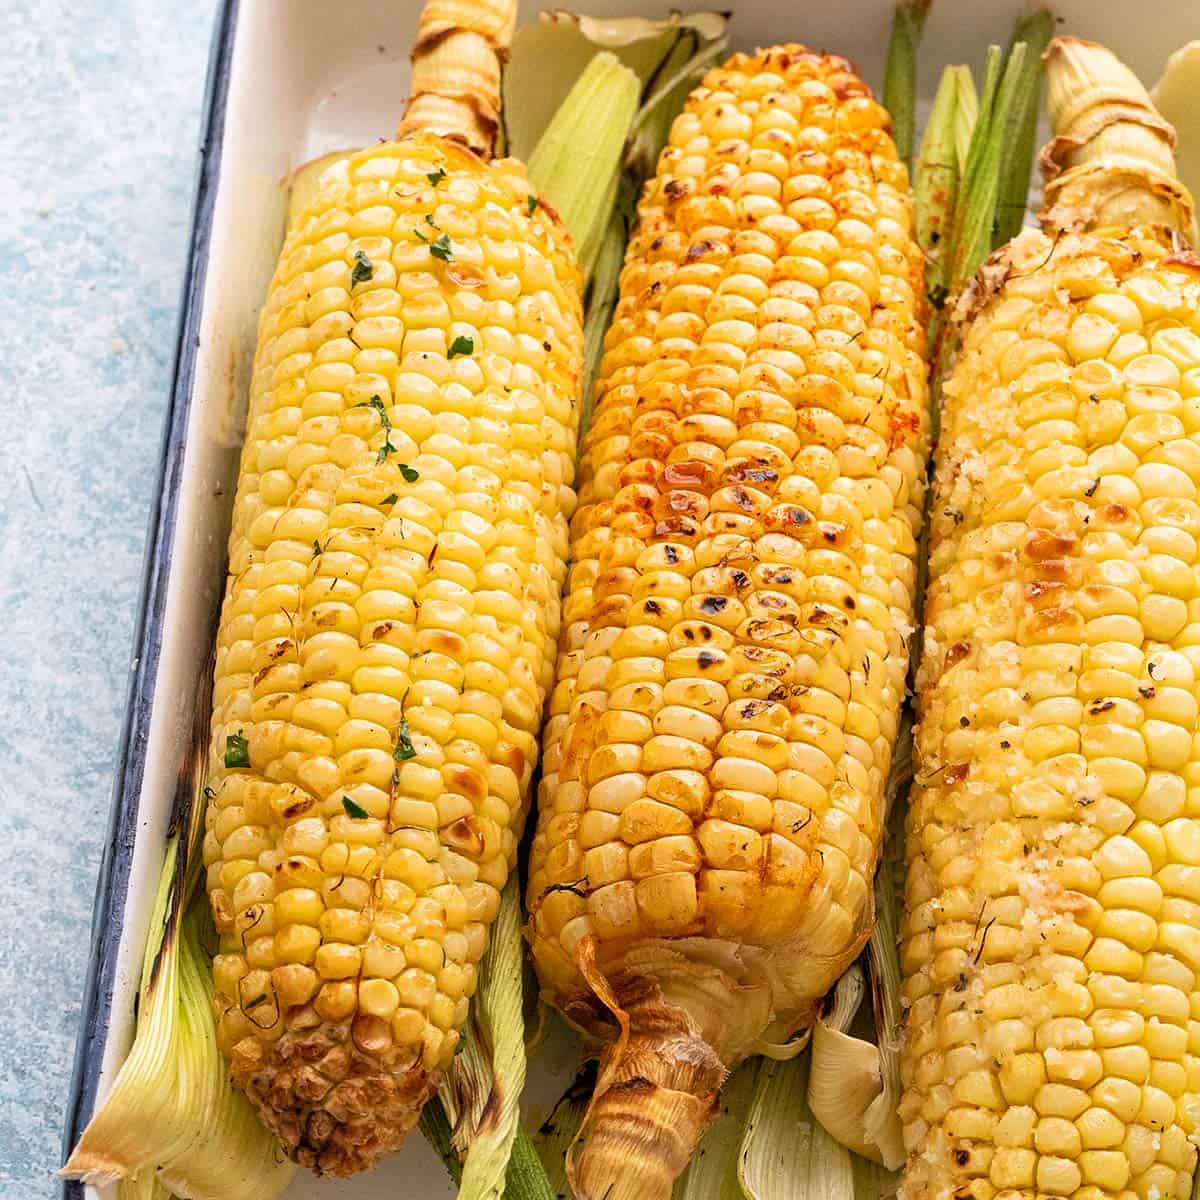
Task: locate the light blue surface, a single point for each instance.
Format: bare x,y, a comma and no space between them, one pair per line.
98,139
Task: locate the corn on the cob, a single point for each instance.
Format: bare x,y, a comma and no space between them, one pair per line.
389,624
1052,935
736,620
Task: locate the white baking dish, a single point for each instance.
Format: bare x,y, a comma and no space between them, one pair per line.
289,80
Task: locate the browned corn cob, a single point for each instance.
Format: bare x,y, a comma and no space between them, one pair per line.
737,617
389,624
1052,939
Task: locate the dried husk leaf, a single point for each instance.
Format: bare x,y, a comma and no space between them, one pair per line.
712,1173
785,1153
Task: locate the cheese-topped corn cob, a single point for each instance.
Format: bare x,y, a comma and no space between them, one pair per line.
1052,937
736,618
389,624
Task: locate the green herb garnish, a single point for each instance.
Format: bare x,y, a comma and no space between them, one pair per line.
436,177
363,270
533,203
390,498
410,474
378,405
354,810
255,1002
442,249
461,345
237,750
404,747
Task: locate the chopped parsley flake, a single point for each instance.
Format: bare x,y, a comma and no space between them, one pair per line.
378,405
363,270
404,747
316,547
421,236
533,203
442,249
390,498
410,474
237,750
436,177
385,450
461,345
354,810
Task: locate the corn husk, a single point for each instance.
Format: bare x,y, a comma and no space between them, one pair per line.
481,1093
554,1138
785,1153
577,160
713,1172
1177,97
551,53
173,1119
900,75
1034,31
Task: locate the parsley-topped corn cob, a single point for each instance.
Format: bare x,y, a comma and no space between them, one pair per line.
1052,938
389,623
736,621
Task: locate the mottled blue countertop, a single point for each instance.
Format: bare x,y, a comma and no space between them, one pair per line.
98,137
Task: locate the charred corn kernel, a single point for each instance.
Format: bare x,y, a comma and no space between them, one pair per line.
735,623
1051,831
388,630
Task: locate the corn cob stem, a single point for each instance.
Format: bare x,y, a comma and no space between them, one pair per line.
1111,161
456,61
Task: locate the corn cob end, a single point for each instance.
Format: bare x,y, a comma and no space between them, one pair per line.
655,1096
1111,161
337,1116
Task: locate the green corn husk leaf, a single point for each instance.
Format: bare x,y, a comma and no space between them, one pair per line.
482,1091
173,1118
713,1172
577,161
435,1128
976,206
526,1178
554,1138
602,303
1033,30
785,1153
966,113
551,53
900,75
935,186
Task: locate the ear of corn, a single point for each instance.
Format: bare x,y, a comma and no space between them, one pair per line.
1052,935
388,627
734,650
